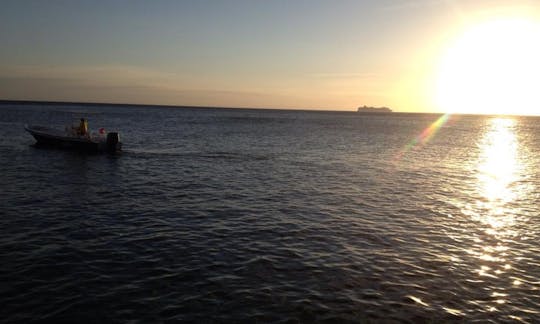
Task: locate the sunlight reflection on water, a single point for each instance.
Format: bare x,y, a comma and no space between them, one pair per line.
498,174
498,171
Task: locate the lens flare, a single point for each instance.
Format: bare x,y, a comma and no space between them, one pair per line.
425,136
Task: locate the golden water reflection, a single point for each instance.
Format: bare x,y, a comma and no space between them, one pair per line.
498,172
494,208
498,163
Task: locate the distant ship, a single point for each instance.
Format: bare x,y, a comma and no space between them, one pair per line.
366,109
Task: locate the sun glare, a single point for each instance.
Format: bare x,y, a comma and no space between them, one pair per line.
492,68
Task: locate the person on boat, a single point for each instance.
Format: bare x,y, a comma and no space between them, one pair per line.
83,127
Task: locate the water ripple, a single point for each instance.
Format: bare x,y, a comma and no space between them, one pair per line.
260,216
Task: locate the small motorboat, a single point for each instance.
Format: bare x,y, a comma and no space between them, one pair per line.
70,139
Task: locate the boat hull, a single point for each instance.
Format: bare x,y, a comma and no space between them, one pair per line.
53,138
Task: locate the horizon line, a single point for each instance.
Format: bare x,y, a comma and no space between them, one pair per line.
92,103
89,103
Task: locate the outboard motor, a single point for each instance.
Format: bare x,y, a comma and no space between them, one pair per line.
113,140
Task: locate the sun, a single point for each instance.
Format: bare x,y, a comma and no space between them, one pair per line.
492,68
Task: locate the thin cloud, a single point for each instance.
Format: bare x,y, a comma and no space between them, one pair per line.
404,5
345,75
107,74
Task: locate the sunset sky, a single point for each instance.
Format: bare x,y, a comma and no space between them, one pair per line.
425,55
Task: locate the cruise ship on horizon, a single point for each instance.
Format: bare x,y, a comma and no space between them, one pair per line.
367,109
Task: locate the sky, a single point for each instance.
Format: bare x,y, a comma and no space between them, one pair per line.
292,54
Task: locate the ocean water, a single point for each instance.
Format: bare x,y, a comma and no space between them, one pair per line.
236,215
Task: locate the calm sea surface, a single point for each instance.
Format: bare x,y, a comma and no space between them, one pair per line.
223,215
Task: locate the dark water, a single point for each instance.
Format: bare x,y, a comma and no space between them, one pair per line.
218,215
